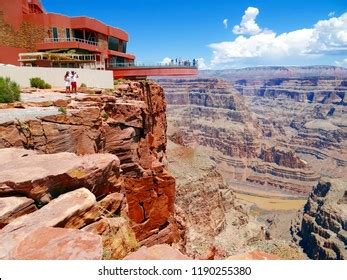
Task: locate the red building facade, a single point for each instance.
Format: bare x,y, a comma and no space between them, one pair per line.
31,37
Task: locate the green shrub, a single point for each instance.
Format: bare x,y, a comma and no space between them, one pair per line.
118,81
9,91
62,110
47,86
39,83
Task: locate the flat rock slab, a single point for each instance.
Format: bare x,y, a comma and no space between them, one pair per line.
9,115
157,252
59,244
43,96
55,214
13,207
45,176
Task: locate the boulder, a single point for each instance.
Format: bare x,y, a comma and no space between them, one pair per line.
43,177
55,214
13,207
59,244
157,252
106,207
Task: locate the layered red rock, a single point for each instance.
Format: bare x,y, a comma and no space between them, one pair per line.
13,207
57,213
43,177
131,124
59,244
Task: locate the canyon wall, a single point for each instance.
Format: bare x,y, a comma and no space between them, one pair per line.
321,228
211,112
302,109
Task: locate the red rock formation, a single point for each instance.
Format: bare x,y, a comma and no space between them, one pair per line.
13,207
42,177
59,244
131,125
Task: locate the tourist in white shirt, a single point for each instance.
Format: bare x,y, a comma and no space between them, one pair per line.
67,79
74,78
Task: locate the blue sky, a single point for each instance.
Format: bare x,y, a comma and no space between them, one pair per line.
273,32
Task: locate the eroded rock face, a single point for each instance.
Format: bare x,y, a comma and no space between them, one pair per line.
321,229
43,177
202,195
59,244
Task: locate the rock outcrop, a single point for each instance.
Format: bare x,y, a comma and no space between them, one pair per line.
321,229
42,177
112,146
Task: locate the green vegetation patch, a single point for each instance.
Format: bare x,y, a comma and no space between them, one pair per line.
9,91
37,82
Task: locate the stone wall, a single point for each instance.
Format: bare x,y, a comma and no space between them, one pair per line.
25,37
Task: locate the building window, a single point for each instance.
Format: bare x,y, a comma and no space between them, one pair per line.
68,34
55,34
124,47
113,43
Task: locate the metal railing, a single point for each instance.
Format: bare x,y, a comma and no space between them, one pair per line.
72,39
150,65
26,57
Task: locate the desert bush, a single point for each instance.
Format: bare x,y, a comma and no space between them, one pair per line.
118,81
83,85
9,90
62,110
37,82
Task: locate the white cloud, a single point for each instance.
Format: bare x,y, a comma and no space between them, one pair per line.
202,64
248,24
331,14
325,37
166,61
225,23
329,35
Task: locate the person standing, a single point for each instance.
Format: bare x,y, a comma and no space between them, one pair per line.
67,79
74,78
